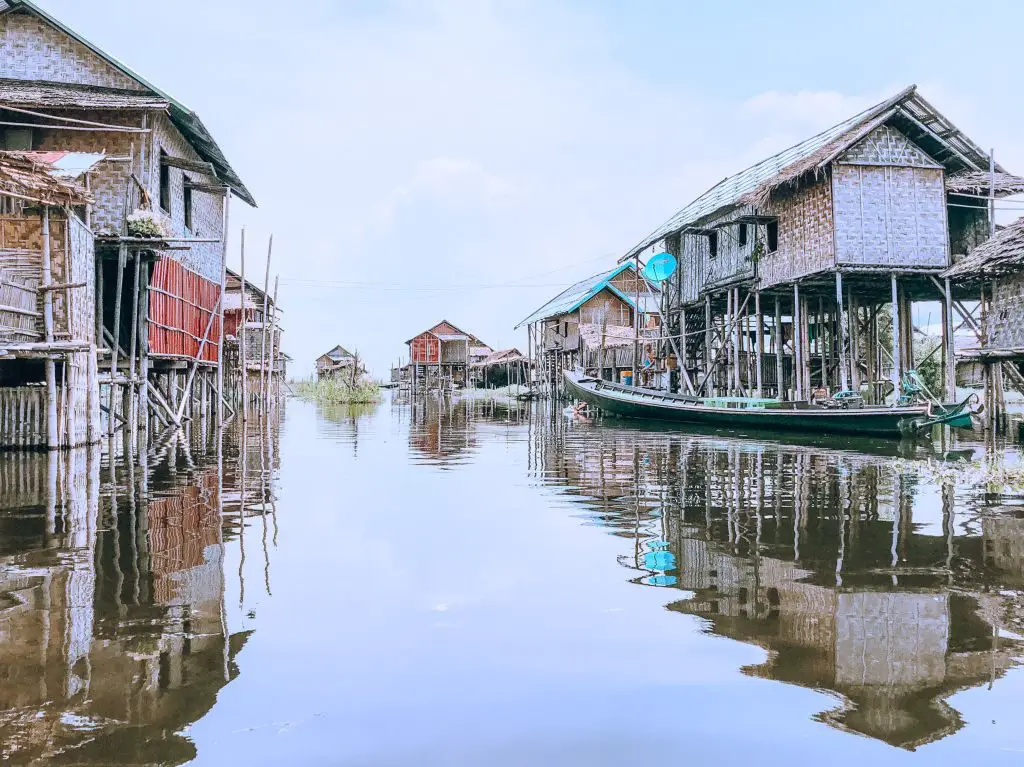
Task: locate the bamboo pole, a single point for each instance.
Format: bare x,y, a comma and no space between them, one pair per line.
759,343
122,255
844,340
263,334
897,373
273,354
241,338
130,413
708,339
223,289
798,368
780,370
949,340
49,366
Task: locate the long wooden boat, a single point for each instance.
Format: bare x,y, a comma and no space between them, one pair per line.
637,402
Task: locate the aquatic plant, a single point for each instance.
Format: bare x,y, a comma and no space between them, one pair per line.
337,391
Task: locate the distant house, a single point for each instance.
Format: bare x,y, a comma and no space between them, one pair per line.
249,309
592,324
440,356
337,362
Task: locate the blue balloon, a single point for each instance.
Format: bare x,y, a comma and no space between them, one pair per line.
660,267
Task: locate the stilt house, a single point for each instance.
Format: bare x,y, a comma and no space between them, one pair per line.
339,362
48,375
156,214
594,324
793,271
440,357
252,312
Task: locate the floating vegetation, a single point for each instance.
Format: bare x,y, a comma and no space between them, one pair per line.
333,391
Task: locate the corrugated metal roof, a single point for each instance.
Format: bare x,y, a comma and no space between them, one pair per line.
70,165
570,299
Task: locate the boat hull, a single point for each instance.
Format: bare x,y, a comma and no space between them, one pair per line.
634,402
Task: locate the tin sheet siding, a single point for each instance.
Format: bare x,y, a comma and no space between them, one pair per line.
805,236
424,348
180,305
890,216
1005,329
31,49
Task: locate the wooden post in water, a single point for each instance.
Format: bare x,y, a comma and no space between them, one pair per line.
948,331
49,367
242,362
263,335
798,362
779,368
897,372
122,255
708,340
223,289
759,343
843,336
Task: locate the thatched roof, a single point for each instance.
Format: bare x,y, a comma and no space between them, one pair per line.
907,111
980,182
503,357
1002,254
41,94
24,176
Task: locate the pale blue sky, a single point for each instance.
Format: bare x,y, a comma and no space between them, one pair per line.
464,159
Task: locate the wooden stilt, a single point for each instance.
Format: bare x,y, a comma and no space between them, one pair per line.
948,341
49,367
844,341
243,360
122,255
758,344
822,352
798,361
897,372
708,337
223,288
779,368
264,378
853,313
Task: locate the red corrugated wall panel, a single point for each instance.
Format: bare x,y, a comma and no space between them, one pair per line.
180,304
425,348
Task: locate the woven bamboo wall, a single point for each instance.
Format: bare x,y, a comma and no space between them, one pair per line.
805,236
1005,330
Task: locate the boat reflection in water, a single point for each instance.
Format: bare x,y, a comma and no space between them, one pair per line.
113,629
889,591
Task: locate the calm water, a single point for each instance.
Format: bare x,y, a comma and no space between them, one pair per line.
473,584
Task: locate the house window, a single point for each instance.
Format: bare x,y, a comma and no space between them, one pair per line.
165,183
713,244
18,139
187,200
743,235
772,235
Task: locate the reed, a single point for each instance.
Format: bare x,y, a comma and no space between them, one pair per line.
335,391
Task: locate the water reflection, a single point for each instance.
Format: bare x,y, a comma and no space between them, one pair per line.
858,580
113,629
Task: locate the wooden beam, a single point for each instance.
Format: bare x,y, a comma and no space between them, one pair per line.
196,166
216,189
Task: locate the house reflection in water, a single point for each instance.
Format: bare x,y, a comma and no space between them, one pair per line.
113,636
814,555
